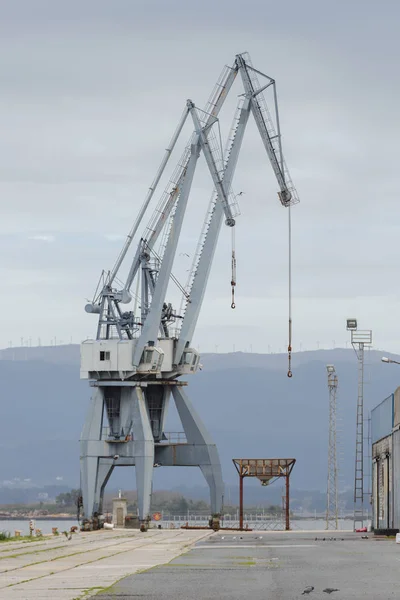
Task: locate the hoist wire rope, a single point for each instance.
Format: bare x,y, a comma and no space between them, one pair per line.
289,373
233,279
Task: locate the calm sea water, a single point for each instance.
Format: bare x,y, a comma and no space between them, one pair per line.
296,525
45,525
320,524
64,525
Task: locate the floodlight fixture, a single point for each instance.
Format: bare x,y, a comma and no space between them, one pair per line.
351,324
385,359
330,368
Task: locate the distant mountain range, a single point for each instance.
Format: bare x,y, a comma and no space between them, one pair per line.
250,406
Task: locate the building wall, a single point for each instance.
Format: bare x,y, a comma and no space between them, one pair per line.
396,407
382,483
396,479
385,431
382,418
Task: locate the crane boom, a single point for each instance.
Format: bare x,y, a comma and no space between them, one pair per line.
169,198
270,136
149,196
272,142
154,269
203,267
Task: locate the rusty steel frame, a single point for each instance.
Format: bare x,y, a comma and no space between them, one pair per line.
266,470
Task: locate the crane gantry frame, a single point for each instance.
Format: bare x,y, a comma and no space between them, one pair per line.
135,362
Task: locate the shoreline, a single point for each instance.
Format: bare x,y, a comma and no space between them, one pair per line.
38,518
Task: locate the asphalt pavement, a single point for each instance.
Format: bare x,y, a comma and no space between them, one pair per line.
273,566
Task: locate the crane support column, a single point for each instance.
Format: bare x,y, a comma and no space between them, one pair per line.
198,438
144,455
94,472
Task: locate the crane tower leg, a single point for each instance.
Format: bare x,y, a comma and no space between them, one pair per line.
95,471
202,449
135,438
144,455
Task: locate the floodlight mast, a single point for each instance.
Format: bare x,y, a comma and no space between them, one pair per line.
359,340
136,360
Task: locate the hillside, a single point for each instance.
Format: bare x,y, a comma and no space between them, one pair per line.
251,408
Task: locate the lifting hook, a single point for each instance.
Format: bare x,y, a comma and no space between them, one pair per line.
289,373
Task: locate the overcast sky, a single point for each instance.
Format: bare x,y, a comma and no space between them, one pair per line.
91,91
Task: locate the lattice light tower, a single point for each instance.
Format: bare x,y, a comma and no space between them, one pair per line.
332,507
359,340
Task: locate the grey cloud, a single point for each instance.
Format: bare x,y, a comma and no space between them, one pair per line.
91,92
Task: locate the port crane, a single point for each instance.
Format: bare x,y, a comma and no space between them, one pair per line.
143,343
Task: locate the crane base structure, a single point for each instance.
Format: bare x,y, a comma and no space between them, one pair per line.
143,345
102,450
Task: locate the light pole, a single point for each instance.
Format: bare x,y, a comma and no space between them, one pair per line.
332,489
359,339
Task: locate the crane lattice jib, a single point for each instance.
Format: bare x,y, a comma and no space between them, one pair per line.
151,265
210,211
269,134
168,199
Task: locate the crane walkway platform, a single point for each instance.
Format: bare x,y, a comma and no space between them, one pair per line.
89,563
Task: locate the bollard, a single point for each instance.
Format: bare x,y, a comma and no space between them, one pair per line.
31,526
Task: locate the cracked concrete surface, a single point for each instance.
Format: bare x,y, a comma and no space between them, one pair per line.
87,564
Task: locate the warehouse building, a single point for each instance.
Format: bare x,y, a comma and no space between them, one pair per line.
385,433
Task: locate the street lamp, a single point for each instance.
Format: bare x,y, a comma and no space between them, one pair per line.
385,359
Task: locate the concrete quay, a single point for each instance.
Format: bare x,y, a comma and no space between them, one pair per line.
273,566
59,569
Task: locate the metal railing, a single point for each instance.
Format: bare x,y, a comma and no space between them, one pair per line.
260,522
171,437
174,437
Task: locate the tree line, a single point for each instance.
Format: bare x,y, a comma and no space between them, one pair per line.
162,501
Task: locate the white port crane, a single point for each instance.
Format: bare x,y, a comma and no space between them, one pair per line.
140,352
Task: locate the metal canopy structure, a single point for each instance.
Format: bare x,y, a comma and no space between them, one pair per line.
267,470
146,316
